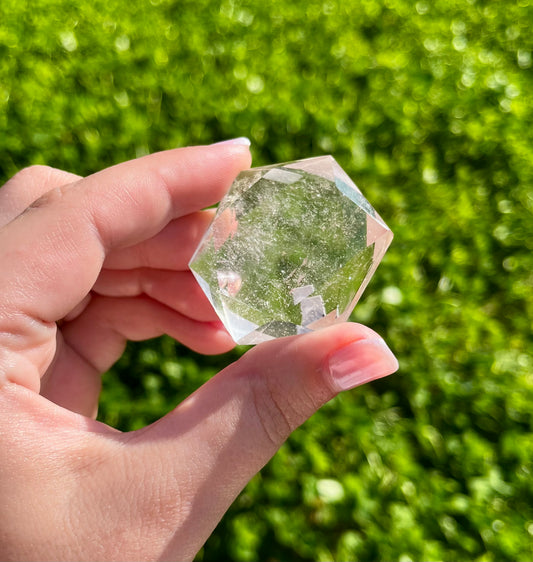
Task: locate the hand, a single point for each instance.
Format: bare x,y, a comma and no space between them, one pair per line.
86,265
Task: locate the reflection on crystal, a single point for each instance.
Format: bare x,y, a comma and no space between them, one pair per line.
312,310
299,293
283,176
225,227
290,250
229,282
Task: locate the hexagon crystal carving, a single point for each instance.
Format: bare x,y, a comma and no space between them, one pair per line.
290,250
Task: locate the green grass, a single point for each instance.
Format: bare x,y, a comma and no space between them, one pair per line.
428,106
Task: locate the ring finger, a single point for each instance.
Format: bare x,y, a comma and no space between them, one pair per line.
176,289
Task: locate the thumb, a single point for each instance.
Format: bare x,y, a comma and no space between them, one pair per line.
219,437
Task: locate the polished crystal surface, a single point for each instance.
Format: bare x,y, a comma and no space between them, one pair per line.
290,250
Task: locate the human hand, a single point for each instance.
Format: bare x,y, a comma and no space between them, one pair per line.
86,265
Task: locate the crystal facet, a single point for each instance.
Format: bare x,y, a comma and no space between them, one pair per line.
290,250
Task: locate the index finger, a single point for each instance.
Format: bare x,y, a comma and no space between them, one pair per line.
51,254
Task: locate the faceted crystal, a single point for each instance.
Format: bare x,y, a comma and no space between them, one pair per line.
290,250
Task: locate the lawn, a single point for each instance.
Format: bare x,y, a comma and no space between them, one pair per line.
428,107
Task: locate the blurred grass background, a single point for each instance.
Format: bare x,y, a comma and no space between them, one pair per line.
428,106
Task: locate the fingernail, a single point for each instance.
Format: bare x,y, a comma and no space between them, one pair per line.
361,361
243,141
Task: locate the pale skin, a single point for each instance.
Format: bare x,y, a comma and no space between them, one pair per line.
87,264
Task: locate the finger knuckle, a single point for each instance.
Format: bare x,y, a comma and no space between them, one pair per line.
275,412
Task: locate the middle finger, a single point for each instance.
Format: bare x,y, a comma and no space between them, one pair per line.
170,249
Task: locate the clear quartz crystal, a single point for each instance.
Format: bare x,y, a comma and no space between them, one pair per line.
290,250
